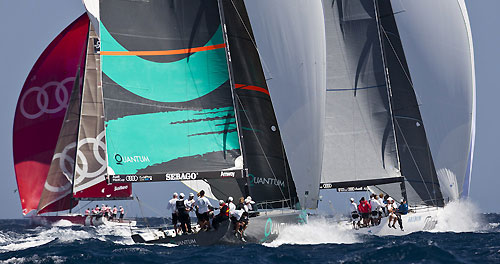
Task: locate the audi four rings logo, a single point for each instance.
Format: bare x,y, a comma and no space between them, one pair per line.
131,178
44,101
327,185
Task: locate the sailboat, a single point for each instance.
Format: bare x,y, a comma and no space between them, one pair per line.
400,104
186,99
59,132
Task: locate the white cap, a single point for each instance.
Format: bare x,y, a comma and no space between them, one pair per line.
249,198
175,194
221,202
352,199
230,198
402,199
390,199
191,194
181,195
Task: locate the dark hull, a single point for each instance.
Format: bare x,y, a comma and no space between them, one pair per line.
261,229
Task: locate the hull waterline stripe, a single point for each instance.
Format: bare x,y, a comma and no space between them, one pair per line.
162,52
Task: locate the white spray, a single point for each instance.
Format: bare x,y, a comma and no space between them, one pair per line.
316,231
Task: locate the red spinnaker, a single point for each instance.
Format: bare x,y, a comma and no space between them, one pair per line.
41,109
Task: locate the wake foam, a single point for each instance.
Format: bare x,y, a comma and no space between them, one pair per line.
460,216
317,231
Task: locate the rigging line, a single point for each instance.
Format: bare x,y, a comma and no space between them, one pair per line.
142,213
260,145
400,62
413,158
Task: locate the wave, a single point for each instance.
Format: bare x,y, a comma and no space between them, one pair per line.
318,230
460,216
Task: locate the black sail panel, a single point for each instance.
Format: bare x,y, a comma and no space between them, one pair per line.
269,175
416,161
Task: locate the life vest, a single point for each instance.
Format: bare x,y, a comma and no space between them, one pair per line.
181,207
225,210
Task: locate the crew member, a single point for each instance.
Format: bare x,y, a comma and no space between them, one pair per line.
122,213
354,214
115,211
365,209
222,216
172,206
87,212
402,210
376,207
391,209
203,209
183,214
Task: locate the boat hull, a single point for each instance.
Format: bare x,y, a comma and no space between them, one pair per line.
424,219
49,220
262,228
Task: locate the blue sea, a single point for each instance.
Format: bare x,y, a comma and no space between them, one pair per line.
472,239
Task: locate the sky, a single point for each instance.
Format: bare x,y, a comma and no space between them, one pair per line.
28,26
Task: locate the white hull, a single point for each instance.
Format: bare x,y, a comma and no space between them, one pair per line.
421,219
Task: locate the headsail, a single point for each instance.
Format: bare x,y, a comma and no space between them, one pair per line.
440,57
416,159
167,99
360,145
41,109
56,195
89,180
269,175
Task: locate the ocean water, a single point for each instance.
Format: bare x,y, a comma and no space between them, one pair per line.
462,236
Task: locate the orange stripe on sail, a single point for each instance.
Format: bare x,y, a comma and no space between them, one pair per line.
251,87
162,52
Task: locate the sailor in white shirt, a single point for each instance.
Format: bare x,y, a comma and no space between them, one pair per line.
353,207
231,205
203,208
172,206
382,204
375,209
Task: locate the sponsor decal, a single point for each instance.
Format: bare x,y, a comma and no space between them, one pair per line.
127,159
326,186
224,174
430,223
181,176
44,99
119,188
266,181
186,242
351,189
130,178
